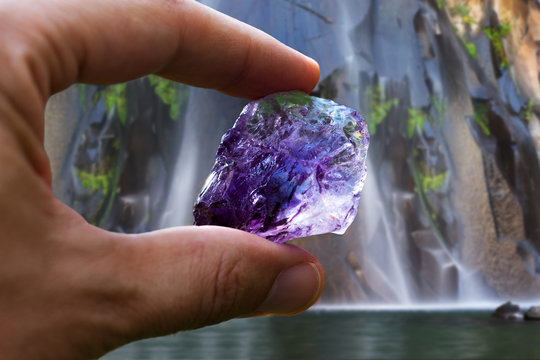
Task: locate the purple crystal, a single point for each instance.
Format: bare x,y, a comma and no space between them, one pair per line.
292,166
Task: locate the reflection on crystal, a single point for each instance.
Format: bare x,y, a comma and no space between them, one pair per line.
292,166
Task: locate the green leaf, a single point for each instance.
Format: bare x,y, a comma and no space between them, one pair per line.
82,95
170,94
94,182
471,49
460,10
496,34
527,112
440,107
379,107
480,117
294,98
416,120
115,99
434,182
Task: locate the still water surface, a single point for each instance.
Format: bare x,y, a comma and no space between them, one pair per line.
321,334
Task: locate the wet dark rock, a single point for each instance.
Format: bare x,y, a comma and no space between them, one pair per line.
508,311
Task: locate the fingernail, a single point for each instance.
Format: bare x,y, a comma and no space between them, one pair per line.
294,291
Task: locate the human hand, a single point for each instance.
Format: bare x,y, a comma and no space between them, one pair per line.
73,291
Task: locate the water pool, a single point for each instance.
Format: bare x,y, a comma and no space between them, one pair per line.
350,334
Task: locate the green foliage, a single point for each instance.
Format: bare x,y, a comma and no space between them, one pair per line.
528,110
292,98
434,182
471,49
82,88
113,175
440,4
469,46
379,107
115,99
105,181
170,93
117,144
460,9
416,120
440,107
82,95
480,117
463,12
94,182
496,34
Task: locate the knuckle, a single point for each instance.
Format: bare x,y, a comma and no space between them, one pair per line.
228,289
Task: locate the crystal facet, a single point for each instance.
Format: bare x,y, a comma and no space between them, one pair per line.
293,165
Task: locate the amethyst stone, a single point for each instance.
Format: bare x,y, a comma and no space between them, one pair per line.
292,166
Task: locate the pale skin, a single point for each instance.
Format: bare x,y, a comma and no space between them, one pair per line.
69,290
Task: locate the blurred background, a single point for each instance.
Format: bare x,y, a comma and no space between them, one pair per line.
450,212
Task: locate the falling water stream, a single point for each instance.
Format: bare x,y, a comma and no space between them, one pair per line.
451,207
450,212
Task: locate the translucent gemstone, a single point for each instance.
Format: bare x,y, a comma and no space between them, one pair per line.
292,165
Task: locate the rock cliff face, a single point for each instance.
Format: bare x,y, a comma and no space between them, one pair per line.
451,92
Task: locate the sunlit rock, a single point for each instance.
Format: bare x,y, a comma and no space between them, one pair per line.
533,313
292,166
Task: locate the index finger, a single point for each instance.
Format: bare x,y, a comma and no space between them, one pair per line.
105,41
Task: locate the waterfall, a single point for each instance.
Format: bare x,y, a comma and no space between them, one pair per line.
451,207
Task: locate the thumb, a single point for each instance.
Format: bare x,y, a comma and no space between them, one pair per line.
196,276
75,291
